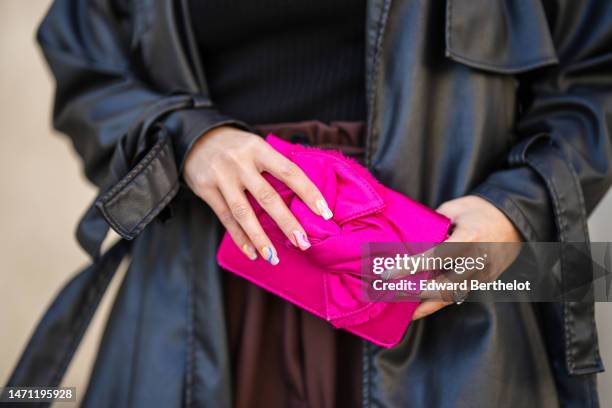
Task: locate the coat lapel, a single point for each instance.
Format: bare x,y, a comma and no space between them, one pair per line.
377,13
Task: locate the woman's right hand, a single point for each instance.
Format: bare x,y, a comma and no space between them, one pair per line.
225,163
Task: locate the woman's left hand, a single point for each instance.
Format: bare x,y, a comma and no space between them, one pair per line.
474,220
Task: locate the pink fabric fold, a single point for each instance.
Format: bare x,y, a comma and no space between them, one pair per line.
326,279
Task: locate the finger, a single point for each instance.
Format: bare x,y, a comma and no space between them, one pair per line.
459,244
290,174
430,260
219,206
274,205
243,213
461,234
428,307
450,209
446,258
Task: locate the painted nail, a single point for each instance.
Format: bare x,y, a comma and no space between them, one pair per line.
324,210
302,240
270,255
249,251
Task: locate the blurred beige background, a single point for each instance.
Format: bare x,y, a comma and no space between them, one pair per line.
43,195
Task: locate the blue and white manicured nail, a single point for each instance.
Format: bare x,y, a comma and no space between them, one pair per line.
324,210
269,254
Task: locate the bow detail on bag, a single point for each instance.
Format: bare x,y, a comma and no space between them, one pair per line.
327,278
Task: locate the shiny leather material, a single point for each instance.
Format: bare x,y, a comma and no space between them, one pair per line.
545,188
518,112
515,38
140,195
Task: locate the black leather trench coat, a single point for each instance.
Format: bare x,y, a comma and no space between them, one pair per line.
510,100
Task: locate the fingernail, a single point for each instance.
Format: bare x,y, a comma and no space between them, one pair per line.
324,210
270,255
249,251
302,240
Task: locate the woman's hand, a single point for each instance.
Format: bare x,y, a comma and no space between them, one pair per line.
474,220
225,163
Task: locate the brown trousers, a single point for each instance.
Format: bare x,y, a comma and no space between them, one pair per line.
283,356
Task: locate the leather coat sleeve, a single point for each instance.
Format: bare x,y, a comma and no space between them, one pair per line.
560,166
131,137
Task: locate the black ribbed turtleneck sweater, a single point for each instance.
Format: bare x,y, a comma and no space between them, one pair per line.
270,61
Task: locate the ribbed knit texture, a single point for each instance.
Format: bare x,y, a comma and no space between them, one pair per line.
269,61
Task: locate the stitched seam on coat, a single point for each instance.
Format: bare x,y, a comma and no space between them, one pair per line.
132,174
586,367
147,218
367,372
576,182
148,168
449,22
568,319
165,151
536,63
569,335
479,64
127,179
376,66
154,211
500,193
129,234
597,362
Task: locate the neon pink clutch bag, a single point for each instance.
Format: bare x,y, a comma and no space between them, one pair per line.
326,279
